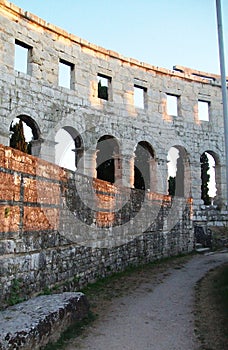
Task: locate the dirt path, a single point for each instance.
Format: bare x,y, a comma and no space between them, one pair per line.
157,315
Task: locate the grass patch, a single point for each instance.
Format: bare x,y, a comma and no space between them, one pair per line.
220,293
118,283
15,293
211,315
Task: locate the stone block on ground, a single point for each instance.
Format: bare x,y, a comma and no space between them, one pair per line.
34,323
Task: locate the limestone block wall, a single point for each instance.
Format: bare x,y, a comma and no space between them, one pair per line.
51,237
37,97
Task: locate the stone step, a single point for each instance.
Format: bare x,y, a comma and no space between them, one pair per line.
36,322
202,250
198,246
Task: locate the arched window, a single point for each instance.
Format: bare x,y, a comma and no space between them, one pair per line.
108,149
178,172
144,170
68,148
24,135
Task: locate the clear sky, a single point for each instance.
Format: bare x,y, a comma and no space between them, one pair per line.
163,33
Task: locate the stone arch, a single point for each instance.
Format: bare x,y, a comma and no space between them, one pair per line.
31,131
107,162
145,167
179,171
214,178
69,147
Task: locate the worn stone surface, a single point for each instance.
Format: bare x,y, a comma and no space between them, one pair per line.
34,323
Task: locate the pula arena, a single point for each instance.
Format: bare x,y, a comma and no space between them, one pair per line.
112,107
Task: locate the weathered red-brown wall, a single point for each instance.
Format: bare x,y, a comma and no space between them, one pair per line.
50,238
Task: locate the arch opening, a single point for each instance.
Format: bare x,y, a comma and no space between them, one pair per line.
68,148
107,153
178,172
24,135
144,167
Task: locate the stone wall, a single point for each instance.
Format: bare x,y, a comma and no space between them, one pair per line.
49,237
37,98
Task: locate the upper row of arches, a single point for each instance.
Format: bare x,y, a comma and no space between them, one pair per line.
69,151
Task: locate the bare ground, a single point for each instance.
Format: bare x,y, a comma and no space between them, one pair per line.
153,307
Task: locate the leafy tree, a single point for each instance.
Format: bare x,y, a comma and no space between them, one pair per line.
172,185
205,178
17,139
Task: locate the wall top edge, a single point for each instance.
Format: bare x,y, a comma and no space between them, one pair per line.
178,70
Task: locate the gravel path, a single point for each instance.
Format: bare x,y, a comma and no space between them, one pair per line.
156,316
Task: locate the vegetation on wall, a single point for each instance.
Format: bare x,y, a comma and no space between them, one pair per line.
172,185
205,177
17,139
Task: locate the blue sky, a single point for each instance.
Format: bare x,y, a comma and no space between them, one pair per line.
160,32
